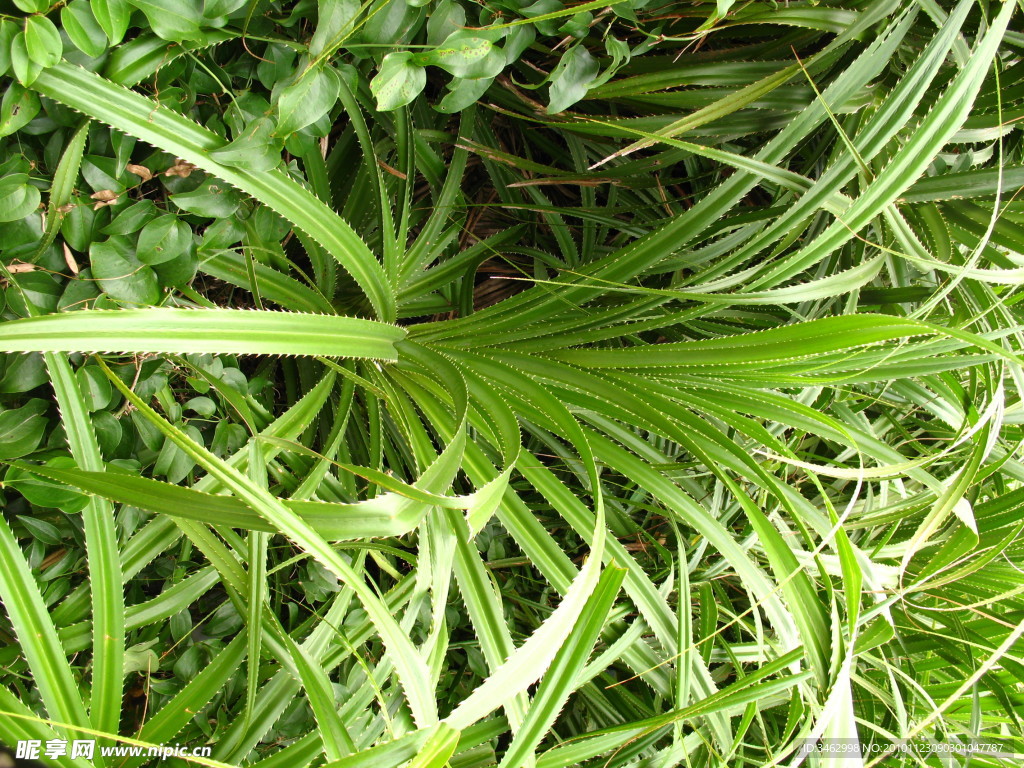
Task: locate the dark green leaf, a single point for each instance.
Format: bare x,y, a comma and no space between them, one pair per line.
306,100
213,199
18,198
335,21
256,149
570,80
95,387
18,107
179,270
121,275
46,493
162,239
462,94
174,20
131,219
446,18
390,23
217,12
21,429
22,373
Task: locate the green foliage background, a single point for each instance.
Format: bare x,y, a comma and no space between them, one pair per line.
444,383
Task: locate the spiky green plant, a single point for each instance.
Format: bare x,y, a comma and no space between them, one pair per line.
678,428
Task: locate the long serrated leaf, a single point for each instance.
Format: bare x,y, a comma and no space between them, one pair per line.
36,634
560,679
410,665
217,331
163,128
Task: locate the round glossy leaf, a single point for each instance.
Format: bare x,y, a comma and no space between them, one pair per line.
108,431
40,288
79,224
83,29
21,429
47,493
465,55
390,23
203,406
446,17
22,373
256,149
518,40
32,6
543,8
17,109
122,276
172,462
18,198
79,293
213,199
577,26
42,41
164,238
306,100
336,21
398,82
571,79
179,270
132,219
8,29
113,17
95,387
223,233
25,69
180,99
463,93
216,12
174,20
